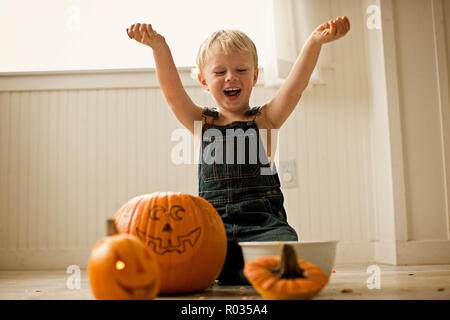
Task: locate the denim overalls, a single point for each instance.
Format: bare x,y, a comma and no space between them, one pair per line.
249,203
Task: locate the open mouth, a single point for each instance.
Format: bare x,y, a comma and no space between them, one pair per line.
137,290
232,92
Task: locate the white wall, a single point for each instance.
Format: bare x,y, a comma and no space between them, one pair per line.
76,146
409,122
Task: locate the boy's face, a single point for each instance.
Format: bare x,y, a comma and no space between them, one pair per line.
230,78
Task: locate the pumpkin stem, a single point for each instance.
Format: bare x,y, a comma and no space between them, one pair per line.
289,268
111,227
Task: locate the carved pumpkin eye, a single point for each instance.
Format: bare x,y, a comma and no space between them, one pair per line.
176,211
119,265
155,212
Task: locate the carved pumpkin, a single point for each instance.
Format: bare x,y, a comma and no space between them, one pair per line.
121,267
185,232
288,279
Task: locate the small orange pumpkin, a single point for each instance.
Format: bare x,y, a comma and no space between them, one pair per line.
122,268
186,234
288,279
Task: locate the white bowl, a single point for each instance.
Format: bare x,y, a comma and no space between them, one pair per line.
320,253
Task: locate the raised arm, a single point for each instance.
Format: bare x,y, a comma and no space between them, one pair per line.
287,97
181,104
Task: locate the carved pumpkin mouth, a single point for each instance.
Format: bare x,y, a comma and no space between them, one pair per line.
164,245
139,290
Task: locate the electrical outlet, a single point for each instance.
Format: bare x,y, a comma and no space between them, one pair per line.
287,174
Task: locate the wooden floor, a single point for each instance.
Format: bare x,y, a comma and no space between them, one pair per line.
348,282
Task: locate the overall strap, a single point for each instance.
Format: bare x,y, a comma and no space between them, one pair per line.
210,112
253,111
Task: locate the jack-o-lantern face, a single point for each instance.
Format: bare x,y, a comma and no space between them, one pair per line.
175,235
121,267
185,232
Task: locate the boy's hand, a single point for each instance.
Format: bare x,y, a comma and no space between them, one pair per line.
145,34
331,30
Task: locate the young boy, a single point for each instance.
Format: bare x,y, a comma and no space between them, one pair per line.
249,202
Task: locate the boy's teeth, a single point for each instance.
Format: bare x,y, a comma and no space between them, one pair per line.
232,91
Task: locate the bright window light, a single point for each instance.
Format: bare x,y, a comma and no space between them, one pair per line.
54,35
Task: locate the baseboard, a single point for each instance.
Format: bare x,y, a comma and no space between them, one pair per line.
414,252
52,259
39,259
423,252
393,253
385,252
354,252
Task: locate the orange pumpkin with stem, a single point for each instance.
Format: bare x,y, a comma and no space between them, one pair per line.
285,278
186,234
121,268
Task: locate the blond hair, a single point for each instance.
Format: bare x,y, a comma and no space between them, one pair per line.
228,41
